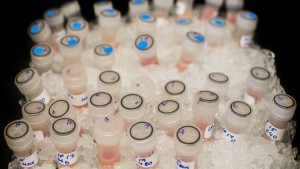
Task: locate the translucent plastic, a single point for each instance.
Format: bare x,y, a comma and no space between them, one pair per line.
78,26
144,87
210,9
110,82
71,9
71,48
101,105
162,8
219,83
42,57
102,5
146,49
215,32
184,9
136,7
245,26
232,8
175,90
181,27
146,23
104,56
55,18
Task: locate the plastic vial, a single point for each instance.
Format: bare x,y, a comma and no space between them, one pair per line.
181,27
146,49
110,20
104,56
42,57
245,26
60,109
215,32
136,7
29,83
108,133
163,8
219,83
169,116
184,9
257,84
211,9
55,19
71,9
132,109
75,80
71,48
65,134
175,90
205,107
146,23
20,139
110,82
188,146
79,27
142,138
237,119
145,87
101,105
281,111
232,8
102,5
35,114
192,44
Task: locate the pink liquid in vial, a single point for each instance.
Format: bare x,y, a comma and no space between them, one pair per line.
182,64
231,17
149,61
188,159
108,158
147,154
208,12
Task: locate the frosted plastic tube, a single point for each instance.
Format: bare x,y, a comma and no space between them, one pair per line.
219,83
136,7
144,87
146,23
181,27
71,48
101,105
110,82
104,56
162,8
245,26
71,9
146,49
42,57
175,90
211,9
78,26
61,109
184,9
102,5
215,31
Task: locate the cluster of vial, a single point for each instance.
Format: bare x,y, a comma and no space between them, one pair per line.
115,113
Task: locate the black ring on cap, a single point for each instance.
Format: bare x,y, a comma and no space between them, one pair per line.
205,100
36,112
144,137
95,50
61,41
209,76
241,115
77,18
173,82
135,42
110,99
117,13
259,78
41,45
199,135
28,69
134,107
158,107
63,113
66,133
107,72
284,107
149,14
211,22
34,23
243,15
187,34
27,129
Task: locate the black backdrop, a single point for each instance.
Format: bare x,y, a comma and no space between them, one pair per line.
276,31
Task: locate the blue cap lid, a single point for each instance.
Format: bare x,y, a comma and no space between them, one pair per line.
77,25
35,29
183,21
38,50
138,1
251,15
50,13
218,22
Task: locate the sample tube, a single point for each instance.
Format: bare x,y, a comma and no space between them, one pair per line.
281,111
219,83
215,32
108,133
233,7
71,9
101,105
102,5
184,9
29,83
144,87
181,27
205,107
35,114
188,146
132,109
175,90
169,116
104,56
257,84
237,119
110,20
192,44
20,139
79,27
65,134
210,9
60,109
42,57
55,19
245,26
146,49
136,7
71,48
75,80
142,138
146,23
163,8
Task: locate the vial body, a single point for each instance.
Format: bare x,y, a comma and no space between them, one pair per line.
184,9
245,26
145,87
146,49
163,8
218,83
146,23
101,105
71,49
215,32
104,57
78,26
42,57
136,7
55,18
233,7
175,90
210,9
181,27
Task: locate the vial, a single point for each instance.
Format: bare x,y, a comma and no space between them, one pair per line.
192,46
132,109
232,9
104,56
75,80
79,27
146,23
71,9
218,83
108,133
245,26
145,87
169,116
281,111
181,27
188,146
175,90
184,9
60,109
136,7
101,105
71,48
42,57
29,83
35,114
143,139
237,119
65,135
110,21
146,49
205,107
102,5
215,32
257,85
211,9
163,8
20,139
55,19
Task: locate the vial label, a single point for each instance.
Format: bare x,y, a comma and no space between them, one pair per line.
273,132
38,136
59,35
27,162
78,100
208,131
229,136
245,41
147,162
184,165
67,159
43,97
249,99
180,8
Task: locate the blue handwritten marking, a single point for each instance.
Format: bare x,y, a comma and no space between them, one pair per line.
165,103
64,159
97,94
22,162
69,122
270,132
106,119
210,128
137,102
227,134
146,126
181,131
42,100
180,165
84,99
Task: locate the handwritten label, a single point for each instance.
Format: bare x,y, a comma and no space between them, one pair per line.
67,159
147,162
273,132
229,136
184,165
246,41
30,161
78,100
208,131
38,136
43,97
249,99
180,8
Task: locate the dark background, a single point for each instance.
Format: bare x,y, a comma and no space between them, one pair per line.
276,31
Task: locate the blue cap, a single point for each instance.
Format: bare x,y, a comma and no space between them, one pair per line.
252,15
38,50
35,29
138,1
72,42
218,22
77,25
107,50
183,21
199,38
50,13
143,44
